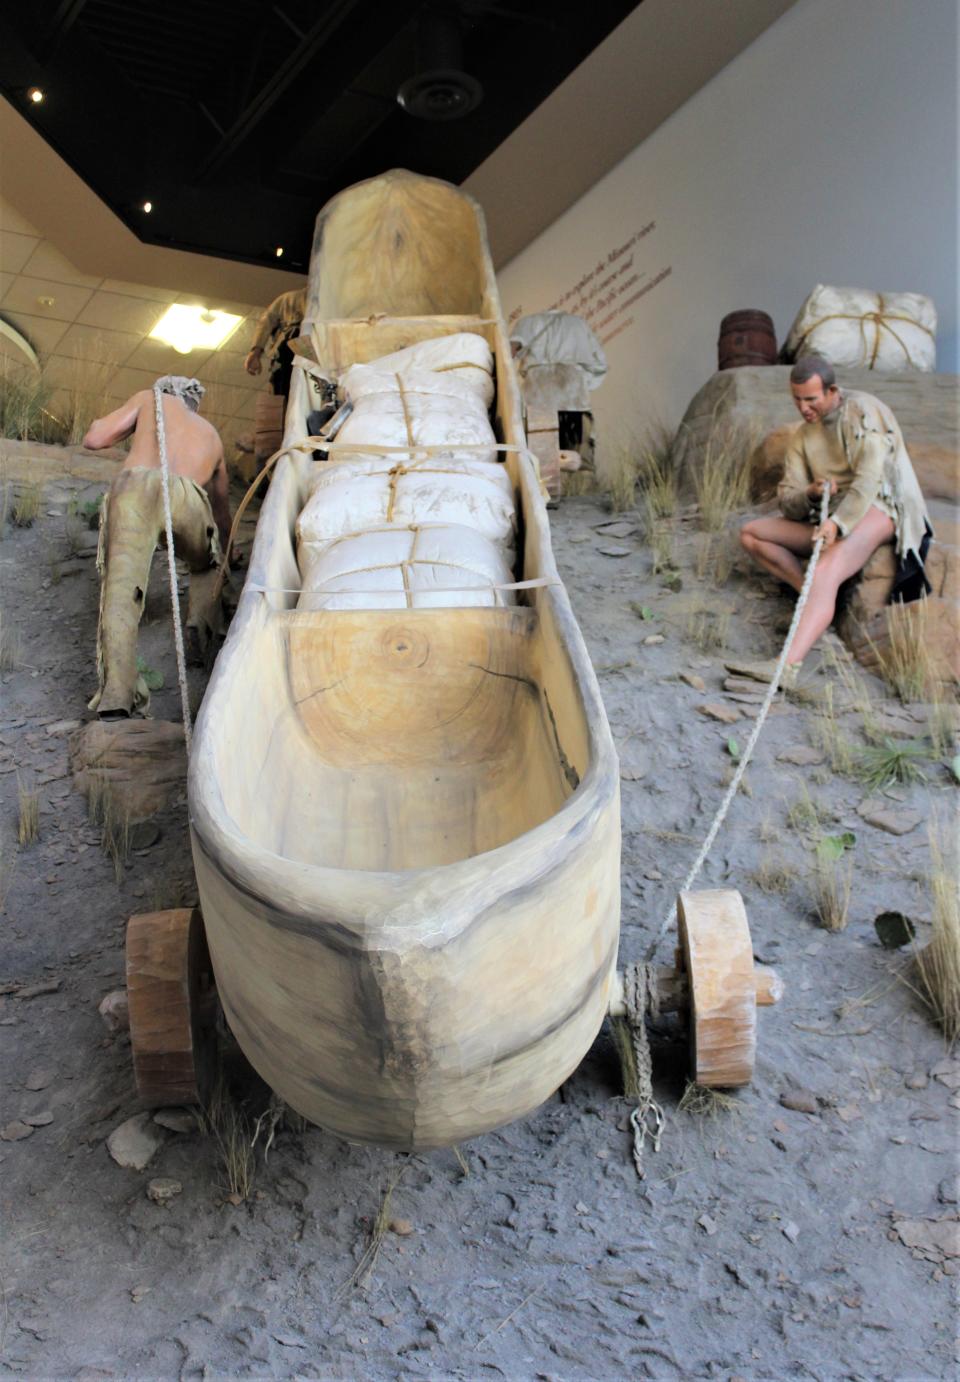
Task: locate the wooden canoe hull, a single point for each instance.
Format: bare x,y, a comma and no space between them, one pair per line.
406,824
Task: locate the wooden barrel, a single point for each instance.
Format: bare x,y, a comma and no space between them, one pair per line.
267,424
746,338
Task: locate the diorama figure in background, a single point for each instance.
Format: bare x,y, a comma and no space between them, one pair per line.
278,325
850,444
132,523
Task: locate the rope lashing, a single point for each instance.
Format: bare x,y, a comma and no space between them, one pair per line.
731,791
172,569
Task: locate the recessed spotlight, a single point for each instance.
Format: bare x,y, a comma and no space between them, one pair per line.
147,207
35,95
279,251
46,302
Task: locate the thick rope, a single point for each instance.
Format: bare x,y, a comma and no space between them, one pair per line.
646,1120
731,791
172,568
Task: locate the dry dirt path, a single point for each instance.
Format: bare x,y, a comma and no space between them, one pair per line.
767,1242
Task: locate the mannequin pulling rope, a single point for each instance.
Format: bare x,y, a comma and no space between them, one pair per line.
172,569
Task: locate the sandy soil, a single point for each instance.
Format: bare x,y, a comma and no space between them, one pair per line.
766,1242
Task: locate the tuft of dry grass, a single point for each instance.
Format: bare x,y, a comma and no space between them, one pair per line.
230,1128
364,1269
937,965
768,830
832,883
907,661
24,394
620,476
722,481
86,395
703,1102
773,874
28,802
708,629
26,506
804,814
715,558
827,733
9,645
105,811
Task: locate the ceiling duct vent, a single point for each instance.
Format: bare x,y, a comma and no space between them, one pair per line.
441,90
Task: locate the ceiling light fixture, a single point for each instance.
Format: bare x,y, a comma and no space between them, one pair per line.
147,207
440,89
187,328
279,251
35,95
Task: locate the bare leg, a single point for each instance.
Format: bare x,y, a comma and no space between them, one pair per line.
838,563
777,544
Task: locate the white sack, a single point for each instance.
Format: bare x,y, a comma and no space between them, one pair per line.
417,408
354,495
464,356
427,567
856,328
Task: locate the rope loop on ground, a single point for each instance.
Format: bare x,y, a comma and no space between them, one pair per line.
640,1001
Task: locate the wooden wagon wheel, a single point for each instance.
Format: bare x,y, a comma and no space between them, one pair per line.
717,953
172,998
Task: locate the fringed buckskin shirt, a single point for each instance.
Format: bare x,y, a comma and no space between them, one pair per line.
860,447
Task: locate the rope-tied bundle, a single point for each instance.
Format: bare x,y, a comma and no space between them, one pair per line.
641,1001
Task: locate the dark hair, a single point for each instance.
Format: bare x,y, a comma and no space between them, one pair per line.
809,365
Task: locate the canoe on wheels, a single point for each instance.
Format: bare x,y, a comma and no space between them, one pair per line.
403,791
405,819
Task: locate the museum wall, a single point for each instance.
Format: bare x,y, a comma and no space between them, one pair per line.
826,152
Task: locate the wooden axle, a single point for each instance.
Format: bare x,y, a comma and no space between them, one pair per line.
673,989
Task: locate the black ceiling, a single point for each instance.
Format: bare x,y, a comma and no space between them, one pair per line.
238,119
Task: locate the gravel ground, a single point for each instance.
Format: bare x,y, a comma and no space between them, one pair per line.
808,1231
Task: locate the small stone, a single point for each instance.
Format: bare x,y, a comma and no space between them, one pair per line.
401,1227
620,528
801,756
948,1191
38,1120
233,1198
790,1230
708,1225
62,727
176,1119
654,875
693,680
16,1131
849,1113
134,1143
634,763
917,1079
724,713
893,822
163,1190
947,1072
143,836
137,1293
581,1208
653,639
608,550
114,1008
39,1079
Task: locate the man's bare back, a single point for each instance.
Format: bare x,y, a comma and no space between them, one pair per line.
194,449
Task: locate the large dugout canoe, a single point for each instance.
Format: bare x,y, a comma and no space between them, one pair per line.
406,824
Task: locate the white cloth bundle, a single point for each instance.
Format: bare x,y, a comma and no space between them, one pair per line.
354,495
464,356
433,566
857,328
415,408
